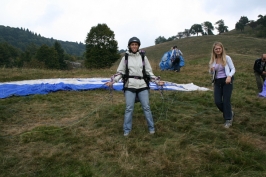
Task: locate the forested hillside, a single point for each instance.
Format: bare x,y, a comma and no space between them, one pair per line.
22,38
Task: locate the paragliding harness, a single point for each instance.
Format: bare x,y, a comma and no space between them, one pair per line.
146,77
176,59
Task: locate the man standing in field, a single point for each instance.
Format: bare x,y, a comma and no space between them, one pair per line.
260,72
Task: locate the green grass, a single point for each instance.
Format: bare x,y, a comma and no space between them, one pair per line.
70,133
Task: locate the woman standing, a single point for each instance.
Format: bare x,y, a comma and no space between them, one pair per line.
136,72
223,70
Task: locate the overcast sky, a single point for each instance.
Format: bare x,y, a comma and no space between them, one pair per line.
71,20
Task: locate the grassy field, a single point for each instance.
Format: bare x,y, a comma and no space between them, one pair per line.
70,133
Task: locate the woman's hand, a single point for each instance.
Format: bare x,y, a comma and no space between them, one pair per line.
160,83
212,69
228,80
109,84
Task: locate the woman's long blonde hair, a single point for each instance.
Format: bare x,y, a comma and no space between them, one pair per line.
214,56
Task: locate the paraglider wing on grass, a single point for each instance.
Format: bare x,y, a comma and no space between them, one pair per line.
44,86
166,61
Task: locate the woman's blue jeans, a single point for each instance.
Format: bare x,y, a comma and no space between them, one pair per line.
130,102
222,97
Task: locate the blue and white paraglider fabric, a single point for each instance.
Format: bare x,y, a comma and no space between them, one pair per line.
169,60
44,86
263,93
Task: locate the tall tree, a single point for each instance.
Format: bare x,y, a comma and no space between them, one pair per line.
253,24
195,29
48,56
239,26
221,27
8,55
28,54
186,33
262,20
160,39
61,55
101,47
180,35
171,38
4,55
208,27
262,30
244,20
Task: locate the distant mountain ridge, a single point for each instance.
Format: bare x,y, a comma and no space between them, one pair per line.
21,39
